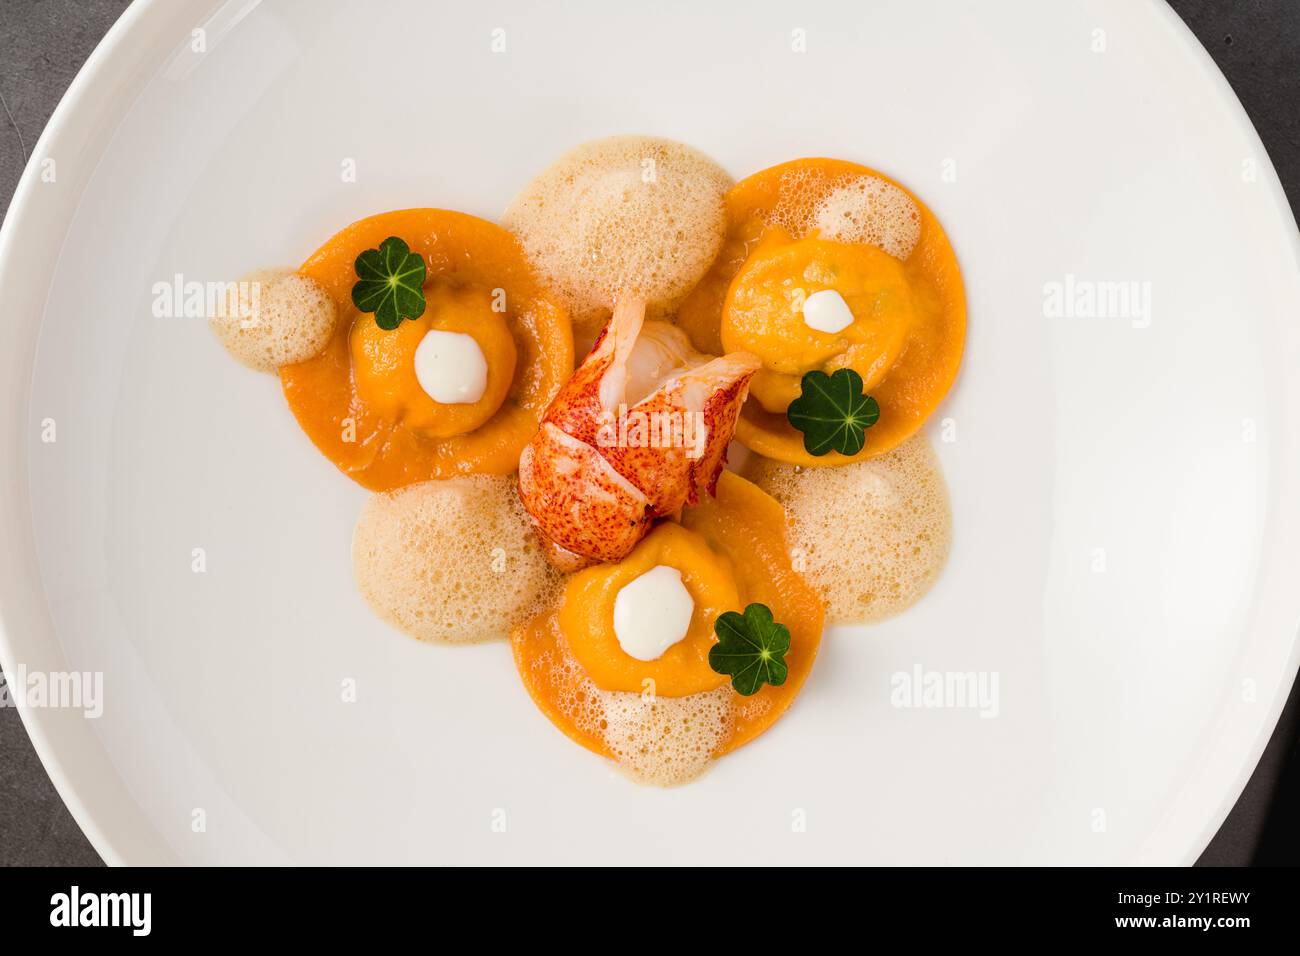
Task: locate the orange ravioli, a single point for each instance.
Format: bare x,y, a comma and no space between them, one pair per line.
586,616
762,314
359,401
822,224
383,362
747,524
735,540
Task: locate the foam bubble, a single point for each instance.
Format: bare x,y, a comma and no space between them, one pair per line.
628,215
874,534
451,561
668,740
848,207
662,741
272,318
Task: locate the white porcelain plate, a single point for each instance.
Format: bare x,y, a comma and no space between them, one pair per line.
1123,446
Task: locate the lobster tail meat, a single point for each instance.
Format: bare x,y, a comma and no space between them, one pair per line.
638,431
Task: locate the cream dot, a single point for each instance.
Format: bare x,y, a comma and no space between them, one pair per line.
450,367
826,311
652,613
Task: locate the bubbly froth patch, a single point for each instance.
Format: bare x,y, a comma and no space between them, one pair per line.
874,534
850,208
273,318
626,216
662,741
452,561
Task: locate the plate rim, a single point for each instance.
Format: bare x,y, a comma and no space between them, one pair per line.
112,57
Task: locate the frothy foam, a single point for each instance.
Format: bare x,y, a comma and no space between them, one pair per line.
451,561
290,319
874,534
663,741
629,215
668,740
851,208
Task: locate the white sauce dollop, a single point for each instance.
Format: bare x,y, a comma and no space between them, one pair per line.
450,367
652,613
826,311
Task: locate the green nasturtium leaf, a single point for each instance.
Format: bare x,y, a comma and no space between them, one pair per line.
391,283
751,649
832,412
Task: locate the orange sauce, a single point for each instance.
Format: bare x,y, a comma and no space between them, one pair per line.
743,527
908,370
383,444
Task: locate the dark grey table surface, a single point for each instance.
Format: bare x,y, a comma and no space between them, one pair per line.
1255,42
